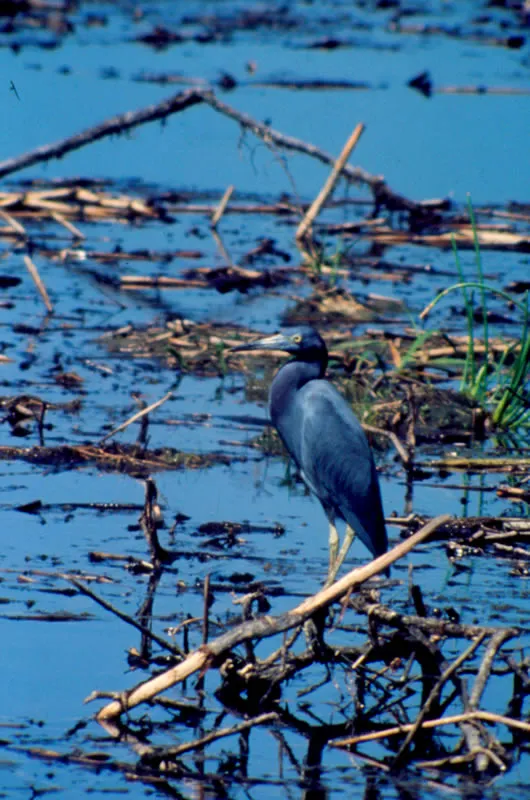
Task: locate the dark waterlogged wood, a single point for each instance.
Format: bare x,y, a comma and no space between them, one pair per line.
110,127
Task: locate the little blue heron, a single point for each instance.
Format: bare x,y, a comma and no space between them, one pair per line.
326,441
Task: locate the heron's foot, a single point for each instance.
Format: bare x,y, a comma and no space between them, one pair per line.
340,556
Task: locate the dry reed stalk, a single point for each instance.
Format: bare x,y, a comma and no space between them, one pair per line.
17,227
68,225
33,271
329,185
136,417
221,208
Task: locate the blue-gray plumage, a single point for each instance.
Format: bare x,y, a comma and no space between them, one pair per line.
326,441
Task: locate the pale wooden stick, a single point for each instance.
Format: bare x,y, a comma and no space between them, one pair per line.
265,626
404,456
68,225
33,271
15,224
487,663
221,208
136,417
455,719
320,199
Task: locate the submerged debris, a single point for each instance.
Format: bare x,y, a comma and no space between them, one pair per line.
415,663
419,675
329,306
115,457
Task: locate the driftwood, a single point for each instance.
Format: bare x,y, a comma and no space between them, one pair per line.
455,719
263,627
383,196
110,127
381,655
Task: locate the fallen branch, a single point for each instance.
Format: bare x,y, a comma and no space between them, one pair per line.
164,753
429,625
429,724
264,626
382,194
476,464
271,136
433,697
110,127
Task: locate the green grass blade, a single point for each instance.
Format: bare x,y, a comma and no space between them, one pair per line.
468,378
482,384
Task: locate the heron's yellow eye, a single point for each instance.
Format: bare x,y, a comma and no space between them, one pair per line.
297,338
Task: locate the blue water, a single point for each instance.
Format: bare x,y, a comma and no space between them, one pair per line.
449,145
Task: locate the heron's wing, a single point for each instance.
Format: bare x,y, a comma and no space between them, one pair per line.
337,462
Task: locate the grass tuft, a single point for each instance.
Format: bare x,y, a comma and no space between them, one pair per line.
499,387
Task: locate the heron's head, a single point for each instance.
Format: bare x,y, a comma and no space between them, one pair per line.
303,343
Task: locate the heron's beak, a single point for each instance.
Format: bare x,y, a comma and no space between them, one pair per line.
276,342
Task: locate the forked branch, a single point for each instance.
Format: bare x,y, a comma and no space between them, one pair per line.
264,626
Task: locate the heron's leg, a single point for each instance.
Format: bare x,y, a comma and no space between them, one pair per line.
333,543
334,567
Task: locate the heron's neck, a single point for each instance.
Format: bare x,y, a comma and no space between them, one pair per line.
288,381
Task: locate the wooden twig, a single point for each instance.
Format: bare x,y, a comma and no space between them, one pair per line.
136,417
428,724
516,493
206,609
269,135
433,696
110,127
487,662
12,222
150,518
76,233
162,753
461,462
220,210
496,527
401,450
265,626
33,271
429,625
314,210
473,737
125,617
